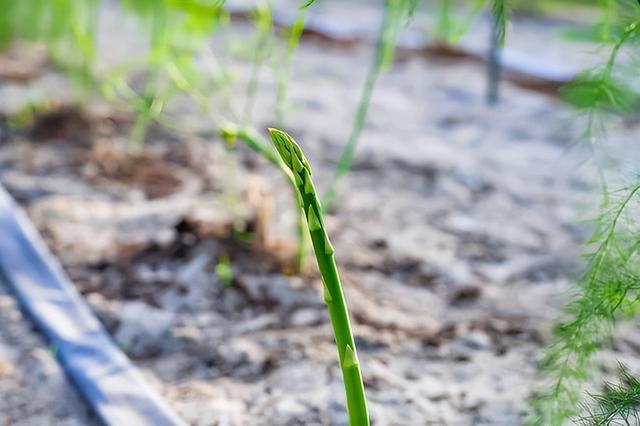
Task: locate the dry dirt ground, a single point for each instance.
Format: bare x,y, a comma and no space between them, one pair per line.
456,234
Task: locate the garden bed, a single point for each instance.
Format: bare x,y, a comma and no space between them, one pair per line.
454,232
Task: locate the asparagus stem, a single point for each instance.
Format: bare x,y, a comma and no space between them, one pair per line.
255,142
294,159
395,13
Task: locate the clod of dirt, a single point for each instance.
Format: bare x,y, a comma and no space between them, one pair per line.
276,290
148,171
67,123
465,296
239,358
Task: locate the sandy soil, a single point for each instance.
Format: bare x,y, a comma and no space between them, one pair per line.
456,235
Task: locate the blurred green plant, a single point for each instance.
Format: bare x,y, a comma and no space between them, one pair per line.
396,15
294,159
283,63
453,22
224,271
179,30
262,48
600,90
500,17
609,289
26,116
66,27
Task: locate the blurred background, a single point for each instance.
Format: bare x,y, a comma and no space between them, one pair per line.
462,147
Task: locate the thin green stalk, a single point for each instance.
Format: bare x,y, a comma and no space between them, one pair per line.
349,150
443,23
264,21
221,83
628,32
84,31
449,28
609,11
282,70
295,160
496,42
157,57
282,67
348,153
231,132
396,11
499,14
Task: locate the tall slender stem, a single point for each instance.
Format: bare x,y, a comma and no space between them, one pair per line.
493,64
349,150
293,157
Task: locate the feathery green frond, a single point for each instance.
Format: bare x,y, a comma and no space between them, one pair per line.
619,404
599,92
609,289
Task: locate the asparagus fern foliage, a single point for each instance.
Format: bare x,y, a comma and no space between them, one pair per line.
608,289
610,286
617,405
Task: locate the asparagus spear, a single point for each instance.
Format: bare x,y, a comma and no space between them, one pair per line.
295,160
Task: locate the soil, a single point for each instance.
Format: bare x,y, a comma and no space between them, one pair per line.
457,234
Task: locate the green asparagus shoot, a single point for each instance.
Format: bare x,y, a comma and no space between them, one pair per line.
295,160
